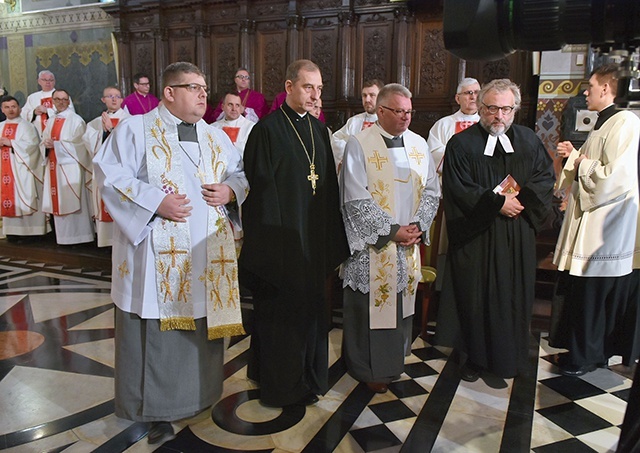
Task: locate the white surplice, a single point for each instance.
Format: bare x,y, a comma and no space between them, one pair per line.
245,126
33,101
354,125
121,173
445,128
73,223
92,140
26,164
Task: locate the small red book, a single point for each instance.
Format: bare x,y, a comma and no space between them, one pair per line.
507,185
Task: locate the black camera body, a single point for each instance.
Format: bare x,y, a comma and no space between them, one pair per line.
491,29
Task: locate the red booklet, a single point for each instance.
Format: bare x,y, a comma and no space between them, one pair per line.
507,185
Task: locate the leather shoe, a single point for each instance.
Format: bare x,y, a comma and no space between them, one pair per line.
377,387
469,373
308,400
577,370
160,432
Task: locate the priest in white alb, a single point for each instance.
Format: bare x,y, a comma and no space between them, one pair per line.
68,167
233,123
96,133
21,174
39,107
390,195
173,185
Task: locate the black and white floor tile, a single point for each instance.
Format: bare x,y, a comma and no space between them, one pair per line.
56,391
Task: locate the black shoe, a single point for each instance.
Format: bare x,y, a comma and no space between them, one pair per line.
160,432
577,370
469,373
308,400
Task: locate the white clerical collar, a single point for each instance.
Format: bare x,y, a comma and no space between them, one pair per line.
493,140
232,123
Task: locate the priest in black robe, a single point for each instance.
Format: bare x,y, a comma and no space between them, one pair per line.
293,239
490,275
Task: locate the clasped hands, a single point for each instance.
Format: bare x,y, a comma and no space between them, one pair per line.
408,235
512,206
176,206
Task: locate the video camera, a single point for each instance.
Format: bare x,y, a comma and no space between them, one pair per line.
491,29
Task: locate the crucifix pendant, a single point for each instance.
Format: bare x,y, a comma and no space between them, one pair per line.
313,177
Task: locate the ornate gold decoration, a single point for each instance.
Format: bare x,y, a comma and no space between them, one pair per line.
415,155
83,50
380,194
378,160
123,269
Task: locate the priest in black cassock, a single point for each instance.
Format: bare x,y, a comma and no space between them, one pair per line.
293,239
490,274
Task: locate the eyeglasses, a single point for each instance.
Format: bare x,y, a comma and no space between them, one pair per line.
399,112
470,92
243,77
47,80
112,97
61,99
493,109
192,87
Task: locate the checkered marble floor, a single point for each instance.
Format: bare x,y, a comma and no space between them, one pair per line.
56,391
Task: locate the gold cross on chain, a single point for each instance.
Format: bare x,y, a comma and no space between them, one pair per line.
313,177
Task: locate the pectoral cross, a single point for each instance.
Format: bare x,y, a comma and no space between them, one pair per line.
313,177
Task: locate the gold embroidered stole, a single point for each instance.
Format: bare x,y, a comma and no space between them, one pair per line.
172,240
383,272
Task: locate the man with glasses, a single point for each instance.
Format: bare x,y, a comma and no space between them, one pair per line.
390,195
96,133
141,101
255,106
443,129
68,168
39,105
491,260
172,185
359,122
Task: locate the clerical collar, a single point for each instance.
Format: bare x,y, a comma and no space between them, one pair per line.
385,133
604,115
492,142
295,116
187,132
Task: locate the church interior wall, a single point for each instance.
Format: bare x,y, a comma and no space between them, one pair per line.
351,41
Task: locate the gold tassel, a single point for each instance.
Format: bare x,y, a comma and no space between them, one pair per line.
177,324
229,330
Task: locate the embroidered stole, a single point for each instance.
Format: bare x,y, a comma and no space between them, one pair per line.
8,208
172,240
383,271
48,103
56,132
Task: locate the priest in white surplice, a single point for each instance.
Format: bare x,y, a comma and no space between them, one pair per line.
596,307
39,106
173,185
233,123
22,174
68,167
390,195
358,122
96,133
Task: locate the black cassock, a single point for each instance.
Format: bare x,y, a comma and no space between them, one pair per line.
491,261
293,240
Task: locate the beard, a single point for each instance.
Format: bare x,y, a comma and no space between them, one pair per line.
496,126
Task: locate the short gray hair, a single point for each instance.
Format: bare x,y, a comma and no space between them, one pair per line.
465,83
390,89
501,85
46,72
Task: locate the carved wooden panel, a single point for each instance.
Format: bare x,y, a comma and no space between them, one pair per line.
375,44
271,62
143,58
432,63
321,37
225,61
182,46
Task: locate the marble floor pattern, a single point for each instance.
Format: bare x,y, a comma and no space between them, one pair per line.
56,391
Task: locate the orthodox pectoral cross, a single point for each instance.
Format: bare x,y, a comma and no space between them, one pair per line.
313,177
